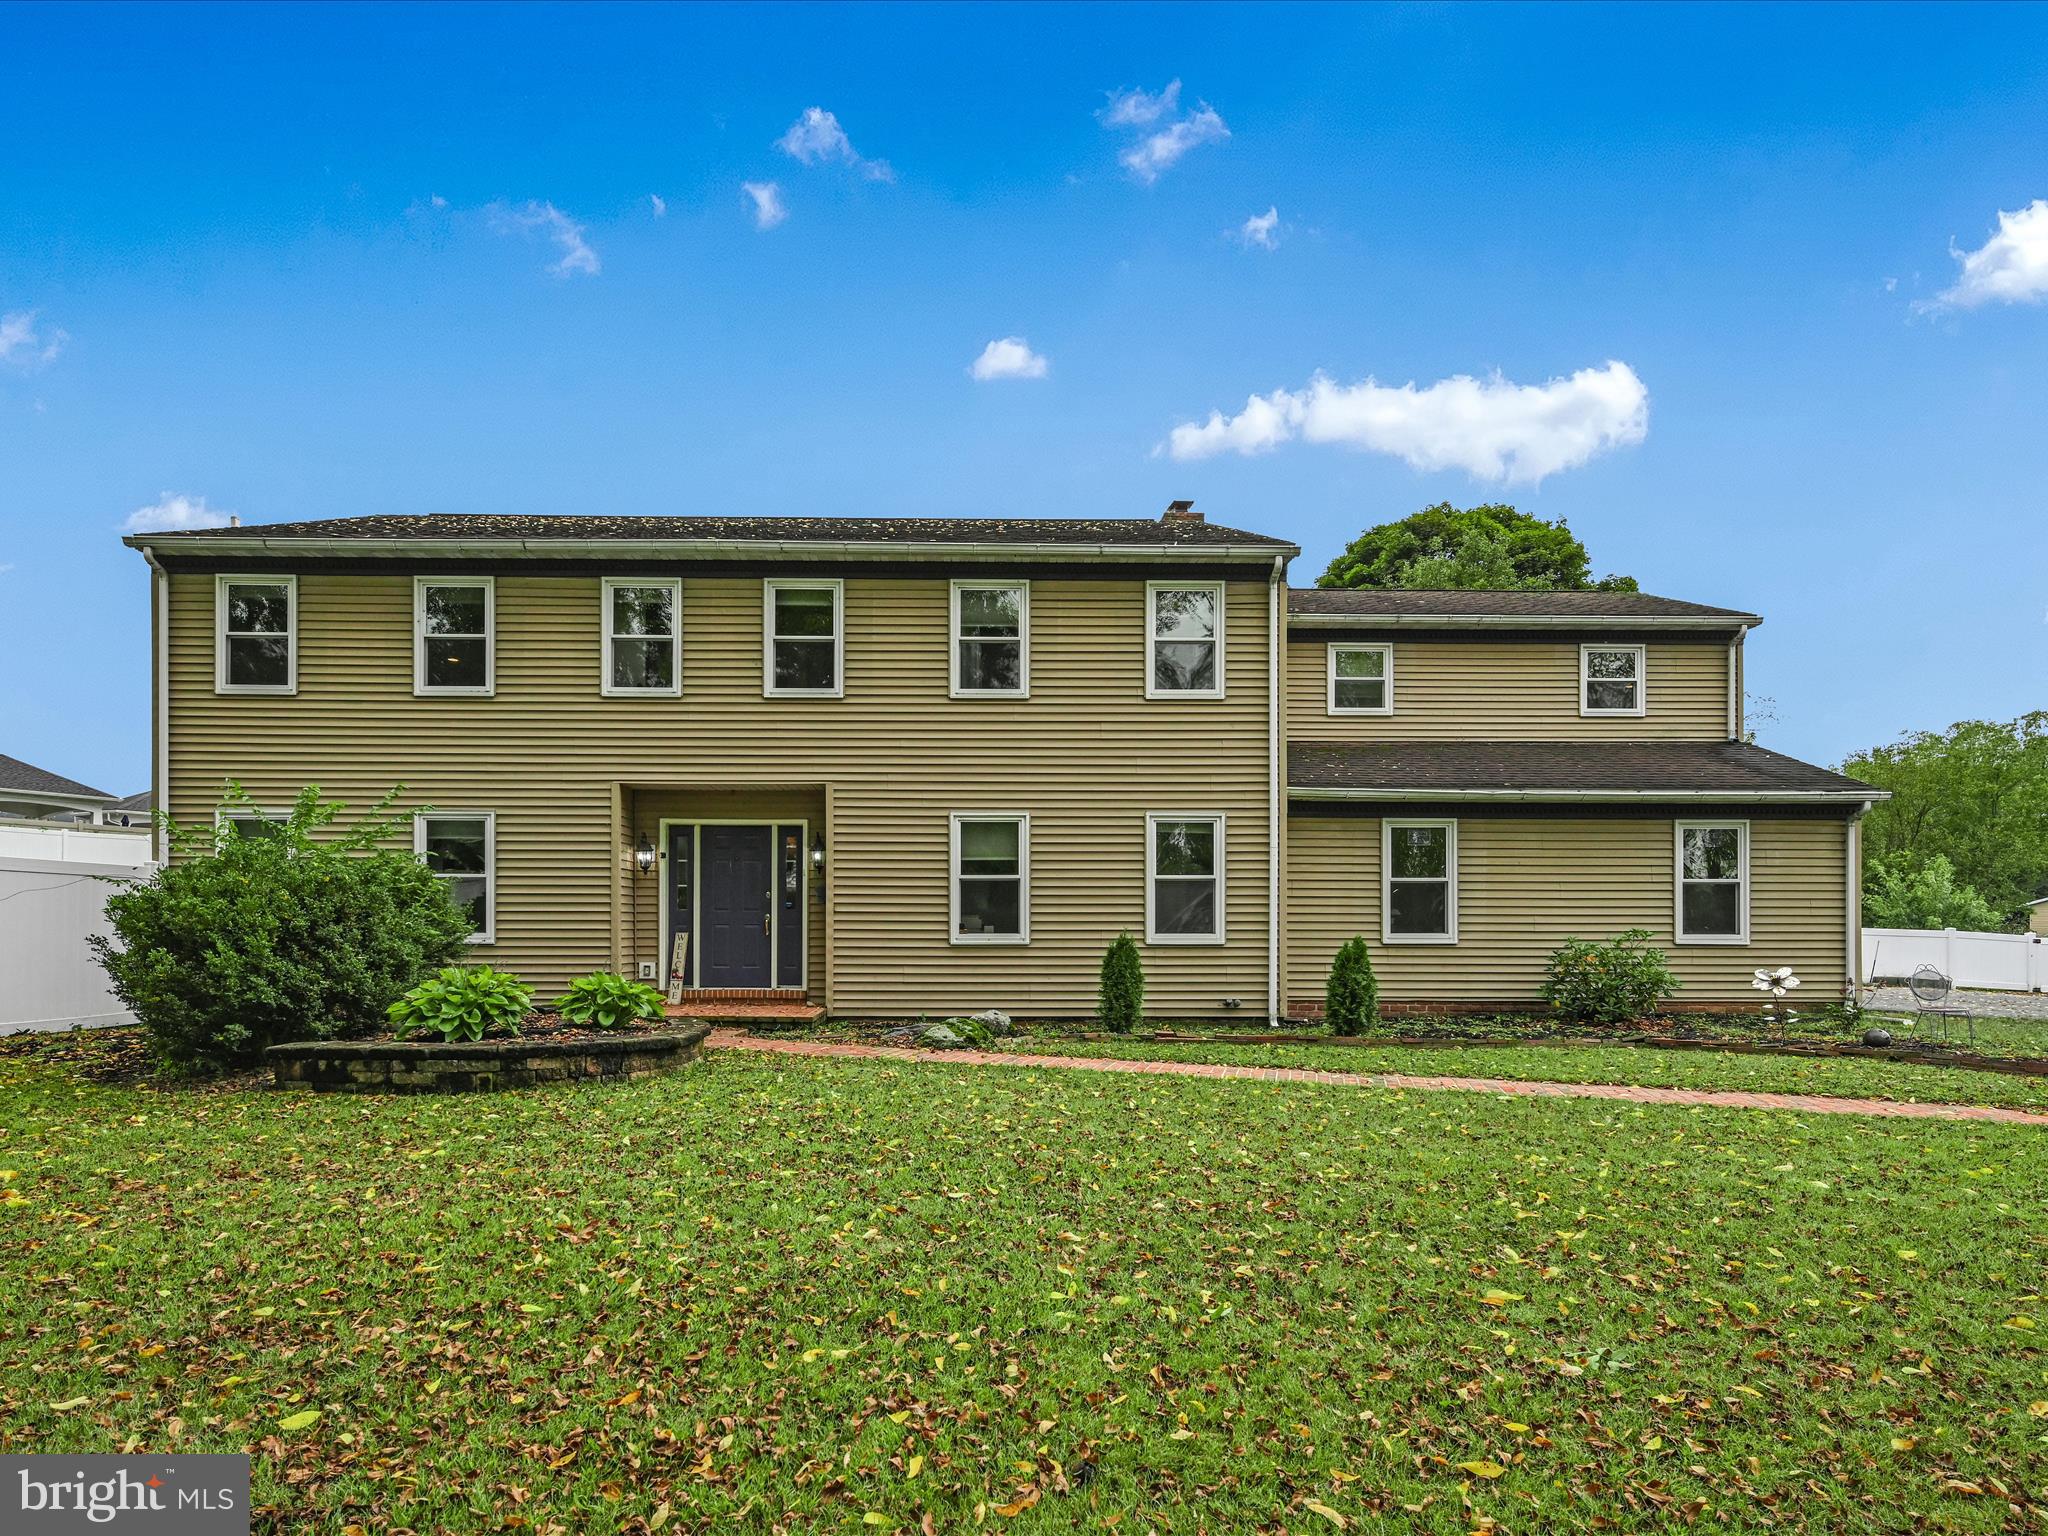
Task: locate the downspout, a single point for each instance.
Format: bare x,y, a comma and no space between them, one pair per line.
1852,896
160,774
1273,829
1734,687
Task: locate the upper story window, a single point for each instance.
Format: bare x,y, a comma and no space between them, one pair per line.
257,824
1184,879
454,634
992,879
991,639
641,627
1610,679
462,849
256,634
803,649
1183,640
1419,881
1713,882
1361,679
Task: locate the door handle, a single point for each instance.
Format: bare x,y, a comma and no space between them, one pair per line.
768,917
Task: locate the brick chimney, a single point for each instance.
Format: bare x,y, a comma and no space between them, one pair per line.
1181,512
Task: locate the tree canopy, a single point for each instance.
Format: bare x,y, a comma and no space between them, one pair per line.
1485,548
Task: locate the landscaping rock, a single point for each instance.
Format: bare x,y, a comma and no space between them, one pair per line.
939,1038
996,1022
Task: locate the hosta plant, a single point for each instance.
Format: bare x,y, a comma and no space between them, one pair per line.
462,1003
603,1000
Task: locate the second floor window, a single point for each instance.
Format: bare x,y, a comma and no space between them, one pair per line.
640,629
991,642
1184,641
803,656
1610,679
256,635
1361,680
453,634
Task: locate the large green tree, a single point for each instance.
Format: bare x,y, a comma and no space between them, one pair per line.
1484,548
1975,795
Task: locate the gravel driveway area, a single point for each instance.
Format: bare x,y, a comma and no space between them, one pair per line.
1988,1005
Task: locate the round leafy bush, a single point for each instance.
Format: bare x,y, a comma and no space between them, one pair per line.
604,1000
461,1002
1121,1000
240,942
1351,998
1609,983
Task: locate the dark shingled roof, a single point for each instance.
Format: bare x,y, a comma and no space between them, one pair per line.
29,779
1347,603
1184,532
1730,767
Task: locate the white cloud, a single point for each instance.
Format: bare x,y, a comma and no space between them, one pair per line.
438,201
817,137
2009,268
1140,109
769,208
1490,428
1159,152
24,344
1262,230
548,220
173,513
1010,358
659,204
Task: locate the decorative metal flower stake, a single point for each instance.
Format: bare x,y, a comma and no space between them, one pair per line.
1777,1016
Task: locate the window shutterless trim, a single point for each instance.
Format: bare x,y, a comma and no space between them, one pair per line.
420,686
606,620
1023,933
222,815
220,634
1152,877
1449,880
954,639
1642,682
770,585
1386,677
1679,881
1152,589
420,819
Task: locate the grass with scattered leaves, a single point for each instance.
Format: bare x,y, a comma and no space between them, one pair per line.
779,1294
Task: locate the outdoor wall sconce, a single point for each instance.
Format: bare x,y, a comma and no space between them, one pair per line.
818,852
643,857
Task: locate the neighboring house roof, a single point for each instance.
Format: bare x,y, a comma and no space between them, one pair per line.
19,778
144,801
1076,535
1332,605
1560,770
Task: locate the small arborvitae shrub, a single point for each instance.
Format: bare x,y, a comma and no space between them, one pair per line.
1612,983
462,1003
1351,998
305,932
603,1000
1121,1005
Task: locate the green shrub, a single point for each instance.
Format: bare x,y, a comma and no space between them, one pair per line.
603,1000
1121,1004
1351,997
462,1002
243,942
1609,983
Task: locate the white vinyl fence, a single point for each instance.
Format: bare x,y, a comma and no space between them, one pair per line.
52,895
2011,962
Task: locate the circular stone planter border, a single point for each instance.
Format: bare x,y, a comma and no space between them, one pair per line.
477,1066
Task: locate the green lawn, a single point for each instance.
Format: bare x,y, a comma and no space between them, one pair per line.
776,1294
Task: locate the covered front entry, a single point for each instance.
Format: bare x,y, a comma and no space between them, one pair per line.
737,892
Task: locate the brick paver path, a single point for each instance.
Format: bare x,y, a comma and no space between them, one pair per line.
1804,1103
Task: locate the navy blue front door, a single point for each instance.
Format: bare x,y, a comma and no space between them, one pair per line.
735,882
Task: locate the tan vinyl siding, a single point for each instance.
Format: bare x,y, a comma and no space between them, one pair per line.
1519,690
1527,884
1087,755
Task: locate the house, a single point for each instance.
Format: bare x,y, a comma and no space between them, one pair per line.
2037,915
899,766
38,794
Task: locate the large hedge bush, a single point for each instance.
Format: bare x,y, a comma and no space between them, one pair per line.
1611,983
240,942
1121,1001
1351,997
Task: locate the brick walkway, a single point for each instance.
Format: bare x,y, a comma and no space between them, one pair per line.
1803,1103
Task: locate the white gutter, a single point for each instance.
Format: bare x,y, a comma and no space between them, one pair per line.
1274,652
160,774
1520,621
399,547
1852,898
1734,696
1577,796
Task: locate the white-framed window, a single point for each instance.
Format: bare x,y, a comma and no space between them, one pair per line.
991,630
1361,679
256,634
643,622
1419,881
1183,878
991,877
803,653
1183,640
259,823
1712,876
1611,680
454,625
462,848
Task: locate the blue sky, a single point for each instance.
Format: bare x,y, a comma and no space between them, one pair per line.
314,263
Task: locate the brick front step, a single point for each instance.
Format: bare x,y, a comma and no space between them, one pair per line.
768,1011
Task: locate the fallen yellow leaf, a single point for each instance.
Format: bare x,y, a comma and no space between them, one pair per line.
1500,1298
299,1420
1482,1468
1317,1507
